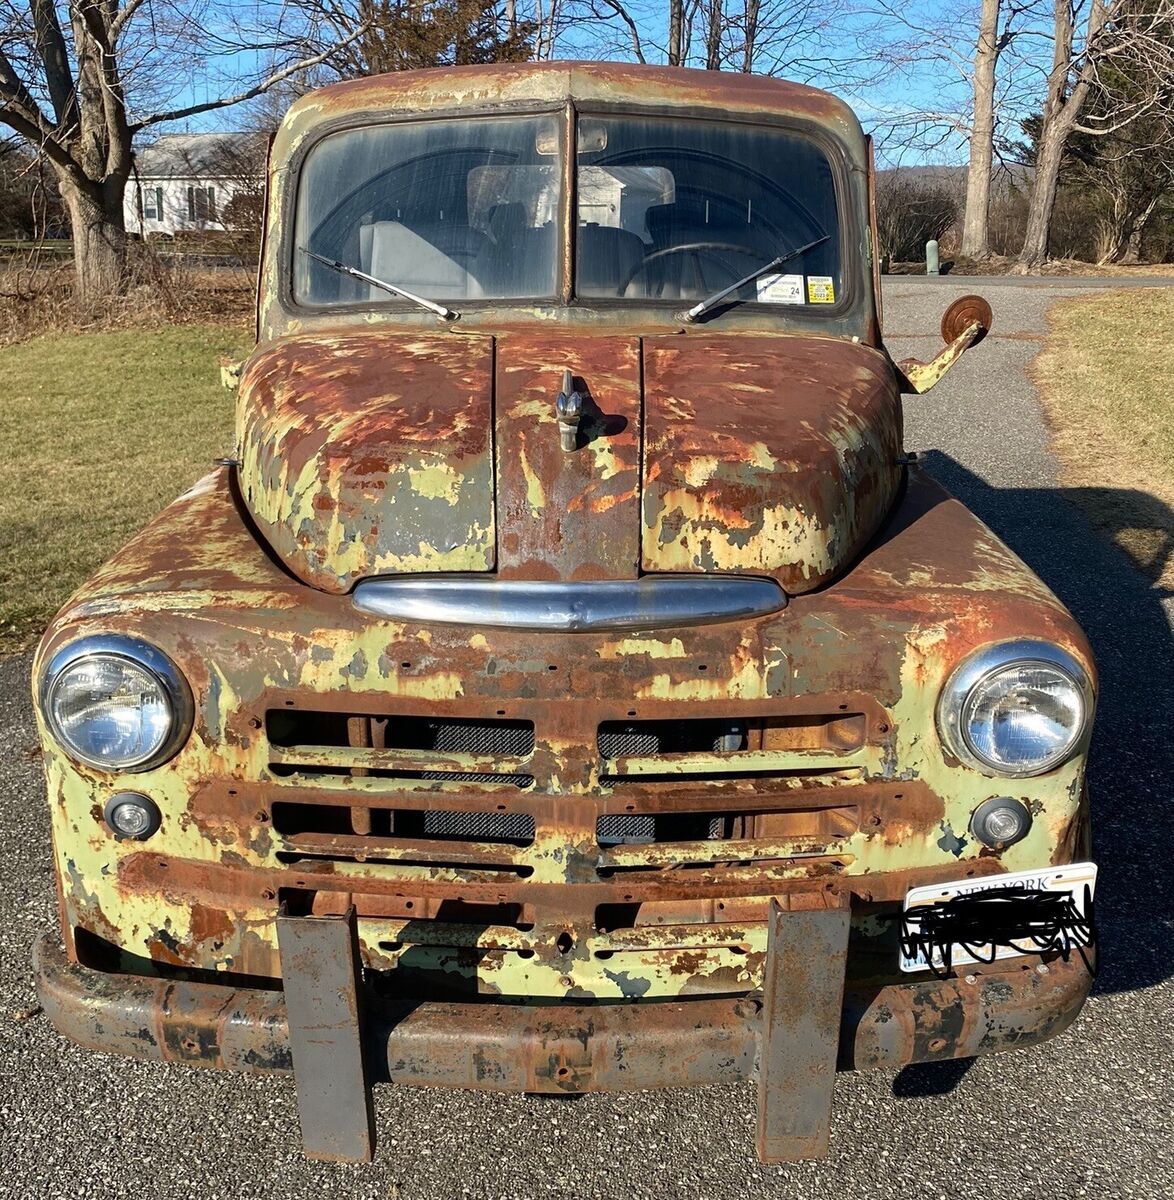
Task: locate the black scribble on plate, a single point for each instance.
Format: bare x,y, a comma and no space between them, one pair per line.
981,923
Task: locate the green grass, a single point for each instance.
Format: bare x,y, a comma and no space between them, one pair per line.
1107,380
99,431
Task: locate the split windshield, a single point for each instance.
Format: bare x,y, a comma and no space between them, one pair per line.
667,210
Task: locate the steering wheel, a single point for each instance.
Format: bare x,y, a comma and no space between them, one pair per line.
684,248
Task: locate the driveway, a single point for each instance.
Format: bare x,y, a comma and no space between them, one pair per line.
1085,1115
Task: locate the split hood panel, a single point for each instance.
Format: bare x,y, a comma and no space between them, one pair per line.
366,454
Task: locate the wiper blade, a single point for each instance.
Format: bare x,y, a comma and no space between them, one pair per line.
705,305
445,314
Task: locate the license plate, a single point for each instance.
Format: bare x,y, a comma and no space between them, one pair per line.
1053,905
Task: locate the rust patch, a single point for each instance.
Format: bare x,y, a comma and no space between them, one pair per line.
766,455
570,515
365,454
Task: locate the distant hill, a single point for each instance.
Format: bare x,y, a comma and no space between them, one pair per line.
953,177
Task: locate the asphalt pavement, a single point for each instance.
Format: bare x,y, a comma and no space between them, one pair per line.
1086,1115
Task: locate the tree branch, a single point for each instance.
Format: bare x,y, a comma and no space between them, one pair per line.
54,56
123,18
625,16
39,135
118,157
271,81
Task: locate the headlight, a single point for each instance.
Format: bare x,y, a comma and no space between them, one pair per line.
1016,708
116,703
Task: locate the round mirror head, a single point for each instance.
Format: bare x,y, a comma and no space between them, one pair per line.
963,313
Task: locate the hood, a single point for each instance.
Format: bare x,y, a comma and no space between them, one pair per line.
367,454
766,455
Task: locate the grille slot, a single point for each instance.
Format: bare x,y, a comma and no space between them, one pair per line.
709,748
842,732
830,823
515,827
632,739
643,829
296,821
432,748
446,735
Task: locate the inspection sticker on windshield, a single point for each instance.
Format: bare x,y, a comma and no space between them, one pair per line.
780,289
1046,911
821,289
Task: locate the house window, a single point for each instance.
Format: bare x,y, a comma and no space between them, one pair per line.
153,203
201,204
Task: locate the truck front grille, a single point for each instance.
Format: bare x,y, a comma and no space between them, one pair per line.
467,806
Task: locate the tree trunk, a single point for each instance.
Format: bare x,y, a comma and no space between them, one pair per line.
99,241
676,20
713,37
1060,113
1132,255
1043,193
1114,230
750,46
1129,228
976,222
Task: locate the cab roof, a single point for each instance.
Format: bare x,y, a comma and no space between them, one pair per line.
484,88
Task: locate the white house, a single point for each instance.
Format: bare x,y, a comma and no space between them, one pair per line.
185,182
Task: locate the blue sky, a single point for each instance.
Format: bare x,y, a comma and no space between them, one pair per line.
911,107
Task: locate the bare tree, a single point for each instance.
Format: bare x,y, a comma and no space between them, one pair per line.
956,90
676,32
1071,79
799,39
29,204
713,34
1128,173
73,75
604,10
976,219
1117,36
753,11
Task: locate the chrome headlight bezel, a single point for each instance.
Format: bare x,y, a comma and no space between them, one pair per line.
146,657
977,668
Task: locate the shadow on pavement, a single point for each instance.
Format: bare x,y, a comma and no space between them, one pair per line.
1132,761
930,1079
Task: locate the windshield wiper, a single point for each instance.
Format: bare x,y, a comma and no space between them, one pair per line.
705,305
445,314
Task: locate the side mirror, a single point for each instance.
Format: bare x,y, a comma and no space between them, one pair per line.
964,324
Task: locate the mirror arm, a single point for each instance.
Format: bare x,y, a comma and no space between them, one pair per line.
917,377
966,322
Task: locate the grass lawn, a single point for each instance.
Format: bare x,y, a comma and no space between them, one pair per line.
100,431
1107,380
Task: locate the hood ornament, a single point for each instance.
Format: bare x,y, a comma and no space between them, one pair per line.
568,408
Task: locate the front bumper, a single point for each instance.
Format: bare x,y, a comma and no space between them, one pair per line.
567,1049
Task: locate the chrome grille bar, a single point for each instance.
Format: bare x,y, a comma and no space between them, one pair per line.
649,603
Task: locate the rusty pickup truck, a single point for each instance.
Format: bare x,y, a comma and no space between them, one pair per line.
570,683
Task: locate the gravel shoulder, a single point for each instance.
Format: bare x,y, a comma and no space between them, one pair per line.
1086,1115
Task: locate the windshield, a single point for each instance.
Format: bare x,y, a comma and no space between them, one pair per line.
680,209
464,210
451,210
